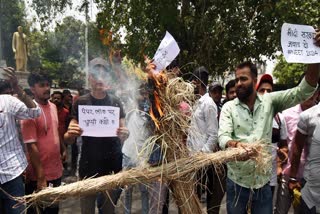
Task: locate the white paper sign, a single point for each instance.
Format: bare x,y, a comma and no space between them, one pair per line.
297,44
167,51
99,121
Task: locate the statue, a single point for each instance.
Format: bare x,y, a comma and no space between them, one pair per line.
19,47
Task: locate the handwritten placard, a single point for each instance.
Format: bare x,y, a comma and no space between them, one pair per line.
99,121
167,51
298,44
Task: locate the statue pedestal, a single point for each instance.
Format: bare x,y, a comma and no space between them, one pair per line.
23,78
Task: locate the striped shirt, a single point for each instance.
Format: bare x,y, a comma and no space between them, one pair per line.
12,158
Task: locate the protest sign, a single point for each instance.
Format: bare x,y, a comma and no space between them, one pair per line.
99,121
298,44
167,51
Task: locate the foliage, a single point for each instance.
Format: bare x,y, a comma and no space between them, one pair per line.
217,34
60,53
11,16
47,10
288,73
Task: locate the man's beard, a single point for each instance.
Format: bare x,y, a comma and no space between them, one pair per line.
196,90
243,93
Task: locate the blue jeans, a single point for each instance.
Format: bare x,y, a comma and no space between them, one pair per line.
144,199
128,164
238,199
14,188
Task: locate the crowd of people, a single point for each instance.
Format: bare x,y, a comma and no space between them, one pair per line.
36,126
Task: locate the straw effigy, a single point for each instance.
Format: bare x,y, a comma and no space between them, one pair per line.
173,171
172,128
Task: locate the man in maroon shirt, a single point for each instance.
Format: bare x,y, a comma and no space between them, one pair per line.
63,113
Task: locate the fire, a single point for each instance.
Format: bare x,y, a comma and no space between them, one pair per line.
154,119
158,81
105,36
158,108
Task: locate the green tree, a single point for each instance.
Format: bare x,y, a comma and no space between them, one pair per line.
47,10
217,34
288,73
59,53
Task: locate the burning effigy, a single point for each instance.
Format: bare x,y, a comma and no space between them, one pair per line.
171,98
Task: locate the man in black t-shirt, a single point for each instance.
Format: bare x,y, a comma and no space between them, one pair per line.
99,155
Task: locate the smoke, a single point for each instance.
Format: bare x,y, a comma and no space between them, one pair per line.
122,79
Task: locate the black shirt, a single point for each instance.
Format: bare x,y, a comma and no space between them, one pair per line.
99,155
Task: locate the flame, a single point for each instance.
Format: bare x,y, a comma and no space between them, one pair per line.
154,119
158,108
159,80
105,36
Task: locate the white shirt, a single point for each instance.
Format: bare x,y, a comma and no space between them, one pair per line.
12,158
203,132
309,124
134,148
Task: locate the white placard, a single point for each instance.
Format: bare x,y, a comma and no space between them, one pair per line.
298,44
167,51
99,121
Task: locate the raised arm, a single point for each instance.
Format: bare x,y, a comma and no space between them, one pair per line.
288,98
312,74
10,73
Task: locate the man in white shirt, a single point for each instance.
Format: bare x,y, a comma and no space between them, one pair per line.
203,135
308,133
12,158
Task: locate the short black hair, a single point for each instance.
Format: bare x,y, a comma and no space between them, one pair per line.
57,92
35,78
202,74
251,66
266,81
230,84
66,92
4,85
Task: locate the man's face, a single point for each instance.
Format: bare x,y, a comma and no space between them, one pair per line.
67,99
20,29
41,90
216,95
143,100
312,101
231,93
244,83
57,99
197,84
265,88
100,78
